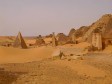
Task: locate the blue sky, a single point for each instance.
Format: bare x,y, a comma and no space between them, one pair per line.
34,17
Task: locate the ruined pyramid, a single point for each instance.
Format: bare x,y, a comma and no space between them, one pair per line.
54,40
105,26
39,42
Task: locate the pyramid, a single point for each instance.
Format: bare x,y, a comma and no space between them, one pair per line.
72,31
19,42
105,26
62,38
39,41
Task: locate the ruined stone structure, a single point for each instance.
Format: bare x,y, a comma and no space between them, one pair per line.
54,40
106,42
39,42
74,38
62,38
104,24
19,42
72,31
97,40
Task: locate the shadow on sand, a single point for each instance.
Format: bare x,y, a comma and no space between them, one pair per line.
7,77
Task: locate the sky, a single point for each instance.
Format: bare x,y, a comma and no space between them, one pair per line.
42,17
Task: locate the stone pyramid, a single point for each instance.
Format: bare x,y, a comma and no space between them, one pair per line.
39,42
19,41
105,26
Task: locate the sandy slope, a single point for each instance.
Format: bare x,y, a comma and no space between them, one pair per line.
17,55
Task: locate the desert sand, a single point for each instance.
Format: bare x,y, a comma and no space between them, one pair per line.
17,55
36,66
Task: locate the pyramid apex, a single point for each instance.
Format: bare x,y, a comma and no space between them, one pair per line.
19,32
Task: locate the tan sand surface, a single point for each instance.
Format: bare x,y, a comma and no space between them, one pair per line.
36,66
17,55
50,71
